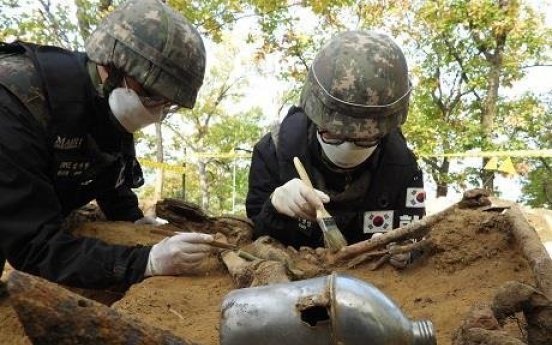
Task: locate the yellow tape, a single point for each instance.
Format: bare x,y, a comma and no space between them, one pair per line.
217,155
165,166
180,169
513,153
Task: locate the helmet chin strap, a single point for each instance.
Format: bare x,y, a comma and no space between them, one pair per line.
114,78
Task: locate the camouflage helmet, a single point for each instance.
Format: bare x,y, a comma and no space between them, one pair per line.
153,44
357,86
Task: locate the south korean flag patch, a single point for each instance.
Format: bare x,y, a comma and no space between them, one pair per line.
415,197
378,221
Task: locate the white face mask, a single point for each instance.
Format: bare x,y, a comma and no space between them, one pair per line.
130,112
346,155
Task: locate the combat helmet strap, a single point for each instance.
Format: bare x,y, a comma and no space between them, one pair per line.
114,78
11,48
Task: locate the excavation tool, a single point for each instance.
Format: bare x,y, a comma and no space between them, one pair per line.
217,244
333,238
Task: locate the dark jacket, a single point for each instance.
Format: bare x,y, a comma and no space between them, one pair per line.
60,149
384,192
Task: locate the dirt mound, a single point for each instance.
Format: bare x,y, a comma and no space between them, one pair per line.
474,253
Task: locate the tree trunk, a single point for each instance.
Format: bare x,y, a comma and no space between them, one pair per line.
158,194
442,184
203,185
495,58
439,171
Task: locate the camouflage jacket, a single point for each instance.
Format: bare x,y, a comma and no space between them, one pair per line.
385,192
59,149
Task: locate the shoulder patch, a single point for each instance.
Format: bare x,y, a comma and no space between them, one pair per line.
377,221
415,197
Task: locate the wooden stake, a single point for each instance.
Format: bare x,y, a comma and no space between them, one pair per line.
533,249
414,230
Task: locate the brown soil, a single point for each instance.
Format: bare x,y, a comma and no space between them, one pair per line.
475,255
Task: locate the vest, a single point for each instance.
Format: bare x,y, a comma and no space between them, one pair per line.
89,157
394,165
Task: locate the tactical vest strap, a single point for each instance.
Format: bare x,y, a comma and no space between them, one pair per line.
69,107
68,102
292,142
22,81
63,80
11,48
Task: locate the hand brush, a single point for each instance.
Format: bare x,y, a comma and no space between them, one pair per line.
333,238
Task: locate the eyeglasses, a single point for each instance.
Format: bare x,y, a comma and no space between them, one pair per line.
331,139
148,98
155,101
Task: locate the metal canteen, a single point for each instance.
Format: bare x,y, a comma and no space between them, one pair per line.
335,309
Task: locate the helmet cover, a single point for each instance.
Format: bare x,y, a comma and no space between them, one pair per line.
153,44
358,86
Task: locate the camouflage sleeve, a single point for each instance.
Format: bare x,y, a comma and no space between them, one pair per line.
263,180
30,221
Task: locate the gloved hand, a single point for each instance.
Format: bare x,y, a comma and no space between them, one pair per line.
147,220
178,254
296,199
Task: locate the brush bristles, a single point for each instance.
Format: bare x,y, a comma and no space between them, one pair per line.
333,238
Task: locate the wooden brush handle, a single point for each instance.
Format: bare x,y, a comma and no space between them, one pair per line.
223,245
333,238
321,212
302,172
163,232
215,243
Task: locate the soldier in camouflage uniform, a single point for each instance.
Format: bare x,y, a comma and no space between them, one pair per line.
346,132
66,124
